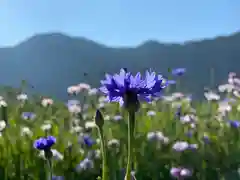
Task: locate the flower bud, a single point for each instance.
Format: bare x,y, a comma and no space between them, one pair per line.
99,120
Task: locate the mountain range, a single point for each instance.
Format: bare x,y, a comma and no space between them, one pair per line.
53,61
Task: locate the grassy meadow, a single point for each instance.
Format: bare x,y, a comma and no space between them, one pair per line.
175,136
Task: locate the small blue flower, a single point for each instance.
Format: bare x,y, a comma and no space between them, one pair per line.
44,143
180,173
88,140
178,71
234,124
206,139
85,164
28,115
119,86
229,100
189,133
178,112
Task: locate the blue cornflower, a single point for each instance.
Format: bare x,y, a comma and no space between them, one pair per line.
125,88
28,115
88,140
178,71
234,124
44,143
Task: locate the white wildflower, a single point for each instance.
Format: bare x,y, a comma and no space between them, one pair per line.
211,96
186,119
25,131
107,118
47,102
74,109
3,103
76,129
224,107
151,135
101,105
90,124
56,155
151,113
22,97
73,89
193,146
2,125
46,127
84,86
185,172
92,91
236,94
236,81
226,88
180,146
117,117
114,142
157,136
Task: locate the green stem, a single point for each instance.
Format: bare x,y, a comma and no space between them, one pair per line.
104,156
50,169
131,125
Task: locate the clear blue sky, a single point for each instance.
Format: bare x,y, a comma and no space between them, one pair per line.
119,22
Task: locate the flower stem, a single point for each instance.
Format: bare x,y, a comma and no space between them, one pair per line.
105,170
50,169
131,126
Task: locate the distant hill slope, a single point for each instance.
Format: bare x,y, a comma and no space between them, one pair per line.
52,62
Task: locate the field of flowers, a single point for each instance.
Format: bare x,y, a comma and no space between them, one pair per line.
130,128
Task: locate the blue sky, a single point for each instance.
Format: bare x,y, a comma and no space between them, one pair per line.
119,22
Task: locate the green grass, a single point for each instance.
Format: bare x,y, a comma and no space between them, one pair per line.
217,158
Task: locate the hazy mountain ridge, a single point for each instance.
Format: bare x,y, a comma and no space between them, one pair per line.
53,61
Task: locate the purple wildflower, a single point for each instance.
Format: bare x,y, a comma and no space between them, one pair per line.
234,123
72,102
206,139
28,115
178,71
125,88
180,146
180,172
85,164
88,140
44,143
189,133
